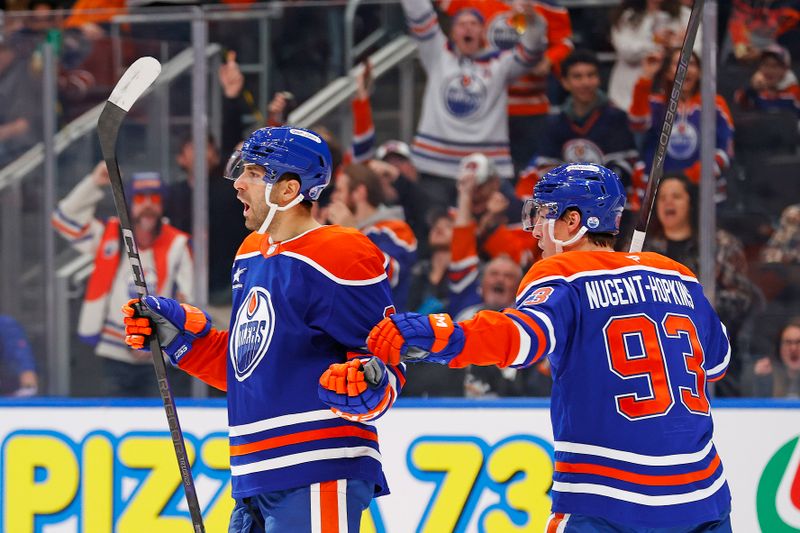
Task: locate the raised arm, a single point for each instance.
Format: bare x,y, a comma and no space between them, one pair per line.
74,216
423,25
531,46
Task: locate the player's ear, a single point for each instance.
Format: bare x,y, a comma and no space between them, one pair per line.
289,189
574,220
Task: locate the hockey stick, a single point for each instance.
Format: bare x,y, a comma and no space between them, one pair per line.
657,170
130,87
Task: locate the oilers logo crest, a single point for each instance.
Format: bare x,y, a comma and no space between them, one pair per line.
252,332
683,141
464,94
582,151
500,32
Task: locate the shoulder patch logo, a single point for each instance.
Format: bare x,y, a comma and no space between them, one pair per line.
251,333
539,296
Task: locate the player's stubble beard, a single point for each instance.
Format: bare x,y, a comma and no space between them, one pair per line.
259,211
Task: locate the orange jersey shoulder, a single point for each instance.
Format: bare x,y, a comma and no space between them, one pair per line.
344,253
251,243
572,264
399,229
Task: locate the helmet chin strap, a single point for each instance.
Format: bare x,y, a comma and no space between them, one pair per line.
274,208
551,224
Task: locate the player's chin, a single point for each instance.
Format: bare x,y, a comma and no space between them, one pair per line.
250,223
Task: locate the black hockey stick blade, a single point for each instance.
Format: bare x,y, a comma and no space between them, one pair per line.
136,80
657,168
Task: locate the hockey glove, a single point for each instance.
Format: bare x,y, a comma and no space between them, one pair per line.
359,387
412,337
177,325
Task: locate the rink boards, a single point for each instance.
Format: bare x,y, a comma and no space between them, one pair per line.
453,465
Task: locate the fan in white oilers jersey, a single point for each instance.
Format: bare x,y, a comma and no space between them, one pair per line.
304,299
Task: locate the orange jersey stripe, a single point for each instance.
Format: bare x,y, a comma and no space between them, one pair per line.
61,227
554,522
302,436
329,507
717,378
459,152
640,479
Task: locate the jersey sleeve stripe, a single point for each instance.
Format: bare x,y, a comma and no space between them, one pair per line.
718,371
59,224
636,497
524,346
548,324
521,319
397,378
630,457
77,226
332,277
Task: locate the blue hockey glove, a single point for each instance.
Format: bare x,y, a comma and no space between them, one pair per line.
359,387
412,337
177,325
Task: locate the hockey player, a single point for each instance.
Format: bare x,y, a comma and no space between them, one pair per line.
631,342
304,297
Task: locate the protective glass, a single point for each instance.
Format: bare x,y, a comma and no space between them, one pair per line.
234,166
237,166
534,211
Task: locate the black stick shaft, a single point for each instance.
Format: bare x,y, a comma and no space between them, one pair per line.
657,169
108,129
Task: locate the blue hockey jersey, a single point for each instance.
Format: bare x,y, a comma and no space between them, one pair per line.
388,230
632,342
602,137
298,306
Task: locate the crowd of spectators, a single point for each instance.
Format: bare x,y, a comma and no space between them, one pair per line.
507,96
